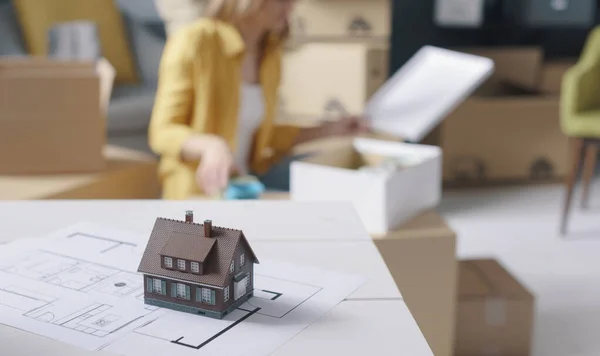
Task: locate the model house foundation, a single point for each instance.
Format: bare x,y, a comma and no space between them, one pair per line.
197,268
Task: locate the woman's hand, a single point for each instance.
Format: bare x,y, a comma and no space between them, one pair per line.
216,163
350,125
346,126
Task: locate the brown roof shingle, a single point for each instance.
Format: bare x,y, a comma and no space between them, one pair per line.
187,246
182,238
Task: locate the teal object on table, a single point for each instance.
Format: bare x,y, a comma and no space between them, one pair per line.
244,189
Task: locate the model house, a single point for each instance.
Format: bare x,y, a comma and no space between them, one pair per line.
197,268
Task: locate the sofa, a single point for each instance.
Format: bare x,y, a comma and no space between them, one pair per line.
130,105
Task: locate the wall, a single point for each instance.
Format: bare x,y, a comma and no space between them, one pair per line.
413,27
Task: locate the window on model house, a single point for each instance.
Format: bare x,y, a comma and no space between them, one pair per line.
181,265
226,294
168,262
195,266
180,290
205,295
156,286
231,267
242,259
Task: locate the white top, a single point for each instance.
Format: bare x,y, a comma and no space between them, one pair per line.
373,316
252,110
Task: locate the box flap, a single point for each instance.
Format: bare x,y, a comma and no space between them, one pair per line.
487,278
425,90
107,74
42,67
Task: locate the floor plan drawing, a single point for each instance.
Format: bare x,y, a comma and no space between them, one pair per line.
94,318
81,286
58,270
22,299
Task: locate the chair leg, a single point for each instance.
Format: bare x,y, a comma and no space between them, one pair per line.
589,168
578,148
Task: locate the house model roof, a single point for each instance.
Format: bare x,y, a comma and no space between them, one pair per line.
186,240
187,246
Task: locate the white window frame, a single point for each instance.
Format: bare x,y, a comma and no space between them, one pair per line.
232,267
181,265
168,261
157,286
195,267
181,291
248,282
226,294
207,296
242,259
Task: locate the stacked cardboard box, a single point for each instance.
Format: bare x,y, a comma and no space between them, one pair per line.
52,115
495,313
509,131
337,59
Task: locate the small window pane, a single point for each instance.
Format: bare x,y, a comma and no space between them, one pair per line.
157,286
195,267
242,259
181,291
231,267
168,262
226,294
181,265
207,296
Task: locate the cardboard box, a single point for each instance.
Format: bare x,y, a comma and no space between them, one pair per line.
389,182
517,66
384,199
505,139
319,20
552,73
421,257
128,175
506,132
495,312
326,79
52,115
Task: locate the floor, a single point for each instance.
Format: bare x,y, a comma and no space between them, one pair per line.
519,226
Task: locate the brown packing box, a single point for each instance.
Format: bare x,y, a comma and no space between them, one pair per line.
552,73
421,257
519,66
495,313
505,132
128,175
318,20
346,76
52,115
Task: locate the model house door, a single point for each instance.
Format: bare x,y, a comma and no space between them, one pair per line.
239,288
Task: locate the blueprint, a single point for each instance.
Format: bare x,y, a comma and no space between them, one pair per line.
79,285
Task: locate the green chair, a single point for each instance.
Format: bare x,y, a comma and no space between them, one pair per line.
580,118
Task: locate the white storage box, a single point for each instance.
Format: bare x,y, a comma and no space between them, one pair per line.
384,198
390,182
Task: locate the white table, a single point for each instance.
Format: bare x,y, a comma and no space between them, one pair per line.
374,319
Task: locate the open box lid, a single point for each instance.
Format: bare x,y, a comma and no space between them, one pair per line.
424,91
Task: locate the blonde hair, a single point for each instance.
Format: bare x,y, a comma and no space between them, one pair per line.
233,11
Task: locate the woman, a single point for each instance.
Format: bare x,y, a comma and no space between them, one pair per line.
216,101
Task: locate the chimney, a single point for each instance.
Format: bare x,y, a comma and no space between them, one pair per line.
207,228
189,216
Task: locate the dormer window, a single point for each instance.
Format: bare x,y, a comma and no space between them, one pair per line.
231,267
195,267
168,261
181,265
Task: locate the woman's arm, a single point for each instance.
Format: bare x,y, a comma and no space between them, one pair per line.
169,131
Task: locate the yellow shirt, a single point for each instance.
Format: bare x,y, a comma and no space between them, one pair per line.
198,92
